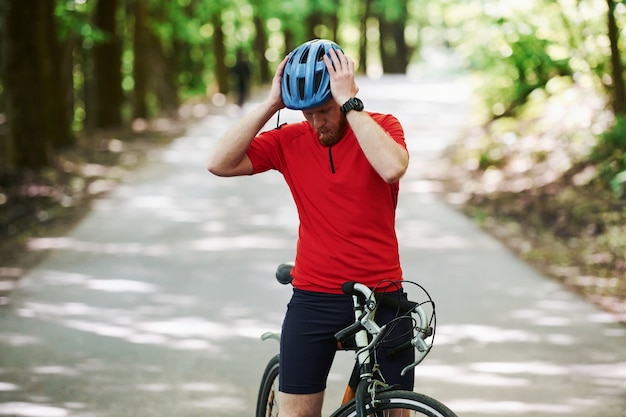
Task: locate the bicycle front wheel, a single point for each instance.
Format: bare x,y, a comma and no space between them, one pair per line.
399,403
266,405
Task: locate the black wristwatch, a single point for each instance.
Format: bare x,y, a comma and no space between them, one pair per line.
352,104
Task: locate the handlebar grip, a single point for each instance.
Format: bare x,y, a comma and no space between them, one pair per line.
283,273
344,334
418,342
348,288
390,300
400,348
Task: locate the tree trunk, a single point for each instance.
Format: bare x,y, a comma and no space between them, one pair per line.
141,62
367,13
619,88
165,64
163,75
56,102
319,18
311,21
219,51
260,44
28,144
107,68
393,49
70,47
290,40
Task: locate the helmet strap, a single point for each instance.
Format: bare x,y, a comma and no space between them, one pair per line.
278,125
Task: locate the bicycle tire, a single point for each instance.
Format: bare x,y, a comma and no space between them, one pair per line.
266,405
411,403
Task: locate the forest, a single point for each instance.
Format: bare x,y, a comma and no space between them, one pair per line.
73,68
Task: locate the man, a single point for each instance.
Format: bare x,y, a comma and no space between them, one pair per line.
342,166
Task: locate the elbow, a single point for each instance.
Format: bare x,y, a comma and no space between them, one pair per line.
222,168
393,175
213,169
219,172
395,172
216,169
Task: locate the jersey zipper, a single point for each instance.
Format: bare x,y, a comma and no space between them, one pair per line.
330,158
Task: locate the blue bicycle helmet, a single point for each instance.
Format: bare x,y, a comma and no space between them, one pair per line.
306,82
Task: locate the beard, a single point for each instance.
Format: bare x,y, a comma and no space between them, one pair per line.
328,136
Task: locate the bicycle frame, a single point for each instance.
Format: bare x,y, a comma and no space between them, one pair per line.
364,327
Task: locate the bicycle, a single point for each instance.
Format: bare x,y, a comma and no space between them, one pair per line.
366,394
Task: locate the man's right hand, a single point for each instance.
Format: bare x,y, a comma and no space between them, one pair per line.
229,158
275,99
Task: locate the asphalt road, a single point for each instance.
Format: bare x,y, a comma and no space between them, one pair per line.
154,304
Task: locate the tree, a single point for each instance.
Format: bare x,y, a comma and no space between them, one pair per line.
141,59
29,145
181,48
107,67
56,103
168,55
393,49
219,51
260,42
366,14
617,67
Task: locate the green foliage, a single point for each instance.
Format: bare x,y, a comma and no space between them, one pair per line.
618,183
392,10
518,47
610,154
613,140
73,21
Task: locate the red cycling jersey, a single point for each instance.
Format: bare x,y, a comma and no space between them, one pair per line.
346,210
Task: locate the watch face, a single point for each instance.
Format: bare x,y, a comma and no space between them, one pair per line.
352,104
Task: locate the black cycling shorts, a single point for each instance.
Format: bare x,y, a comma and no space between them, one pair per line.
308,345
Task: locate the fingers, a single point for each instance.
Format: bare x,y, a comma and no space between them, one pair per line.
275,96
281,67
279,72
341,70
337,61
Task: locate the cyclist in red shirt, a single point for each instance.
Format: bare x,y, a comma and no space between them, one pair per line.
343,165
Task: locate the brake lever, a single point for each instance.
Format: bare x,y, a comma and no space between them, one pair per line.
416,362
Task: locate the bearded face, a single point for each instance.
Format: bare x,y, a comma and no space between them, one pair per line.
328,122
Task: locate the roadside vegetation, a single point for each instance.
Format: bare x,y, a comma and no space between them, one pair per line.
543,184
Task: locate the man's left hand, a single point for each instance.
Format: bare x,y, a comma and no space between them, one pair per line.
341,70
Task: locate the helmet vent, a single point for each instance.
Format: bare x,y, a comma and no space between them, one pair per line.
303,58
317,81
288,83
301,88
320,54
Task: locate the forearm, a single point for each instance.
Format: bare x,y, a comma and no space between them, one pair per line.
387,157
229,157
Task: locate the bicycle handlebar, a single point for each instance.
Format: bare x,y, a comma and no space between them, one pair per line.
384,299
366,321
424,330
